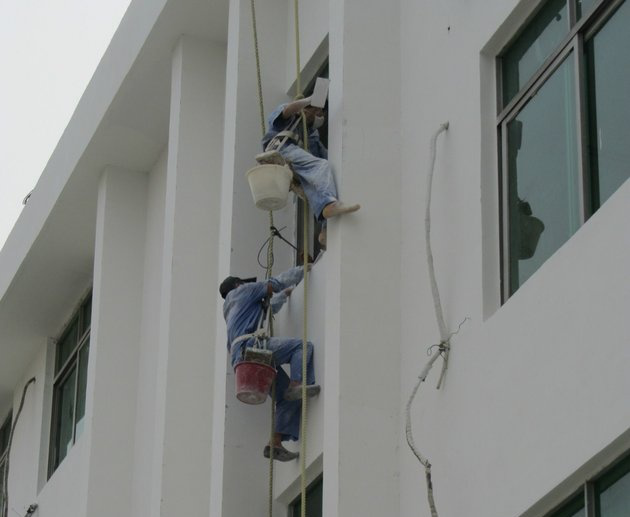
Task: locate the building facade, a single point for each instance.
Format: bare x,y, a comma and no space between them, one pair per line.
109,280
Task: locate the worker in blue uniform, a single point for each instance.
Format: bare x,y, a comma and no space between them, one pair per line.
243,307
285,135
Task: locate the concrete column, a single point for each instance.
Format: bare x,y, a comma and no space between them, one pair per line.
242,431
189,280
113,362
363,424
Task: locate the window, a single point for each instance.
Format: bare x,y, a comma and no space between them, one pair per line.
71,359
563,127
606,496
315,226
313,501
5,432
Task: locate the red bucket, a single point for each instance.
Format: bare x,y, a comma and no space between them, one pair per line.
253,381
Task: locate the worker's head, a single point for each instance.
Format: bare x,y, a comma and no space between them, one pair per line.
231,283
314,116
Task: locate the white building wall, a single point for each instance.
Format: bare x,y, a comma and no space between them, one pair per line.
523,406
534,400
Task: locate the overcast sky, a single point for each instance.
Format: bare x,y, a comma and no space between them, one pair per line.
49,50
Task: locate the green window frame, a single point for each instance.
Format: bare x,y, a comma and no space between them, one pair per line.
562,86
608,495
69,384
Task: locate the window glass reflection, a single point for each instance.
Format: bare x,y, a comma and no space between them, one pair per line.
543,175
608,72
530,50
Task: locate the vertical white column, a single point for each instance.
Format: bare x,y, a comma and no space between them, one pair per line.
362,371
241,431
190,268
114,347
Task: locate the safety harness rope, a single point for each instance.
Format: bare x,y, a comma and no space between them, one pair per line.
269,258
305,251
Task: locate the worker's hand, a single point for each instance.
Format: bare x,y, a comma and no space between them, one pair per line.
288,291
309,266
295,107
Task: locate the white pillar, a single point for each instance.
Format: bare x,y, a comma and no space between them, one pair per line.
115,337
242,431
362,372
189,295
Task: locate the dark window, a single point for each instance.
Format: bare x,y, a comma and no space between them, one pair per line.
5,432
563,129
313,501
315,226
71,361
607,496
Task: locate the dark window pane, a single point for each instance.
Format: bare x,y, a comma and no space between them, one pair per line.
82,383
67,344
575,508
530,50
5,431
64,425
87,315
613,491
615,501
313,501
584,7
608,71
542,175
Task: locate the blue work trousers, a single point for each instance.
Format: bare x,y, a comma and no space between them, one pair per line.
315,176
285,351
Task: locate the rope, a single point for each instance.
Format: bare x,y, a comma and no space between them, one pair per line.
258,76
444,346
269,256
5,493
305,251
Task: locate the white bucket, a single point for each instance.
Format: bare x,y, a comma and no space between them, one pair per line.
269,185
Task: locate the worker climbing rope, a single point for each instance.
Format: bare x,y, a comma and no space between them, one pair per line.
244,306
309,162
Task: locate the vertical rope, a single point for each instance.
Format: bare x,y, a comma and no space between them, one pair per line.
258,75
303,425
305,251
269,271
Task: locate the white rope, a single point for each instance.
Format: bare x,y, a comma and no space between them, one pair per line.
427,237
444,346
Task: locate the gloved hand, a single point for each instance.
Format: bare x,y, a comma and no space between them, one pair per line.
295,107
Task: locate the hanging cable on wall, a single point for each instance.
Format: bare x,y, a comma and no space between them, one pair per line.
442,349
5,477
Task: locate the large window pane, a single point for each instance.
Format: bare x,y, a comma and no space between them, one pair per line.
83,364
614,492
67,344
541,37
542,175
65,417
608,69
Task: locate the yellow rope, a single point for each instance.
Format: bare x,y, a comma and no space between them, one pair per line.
269,256
258,76
305,251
